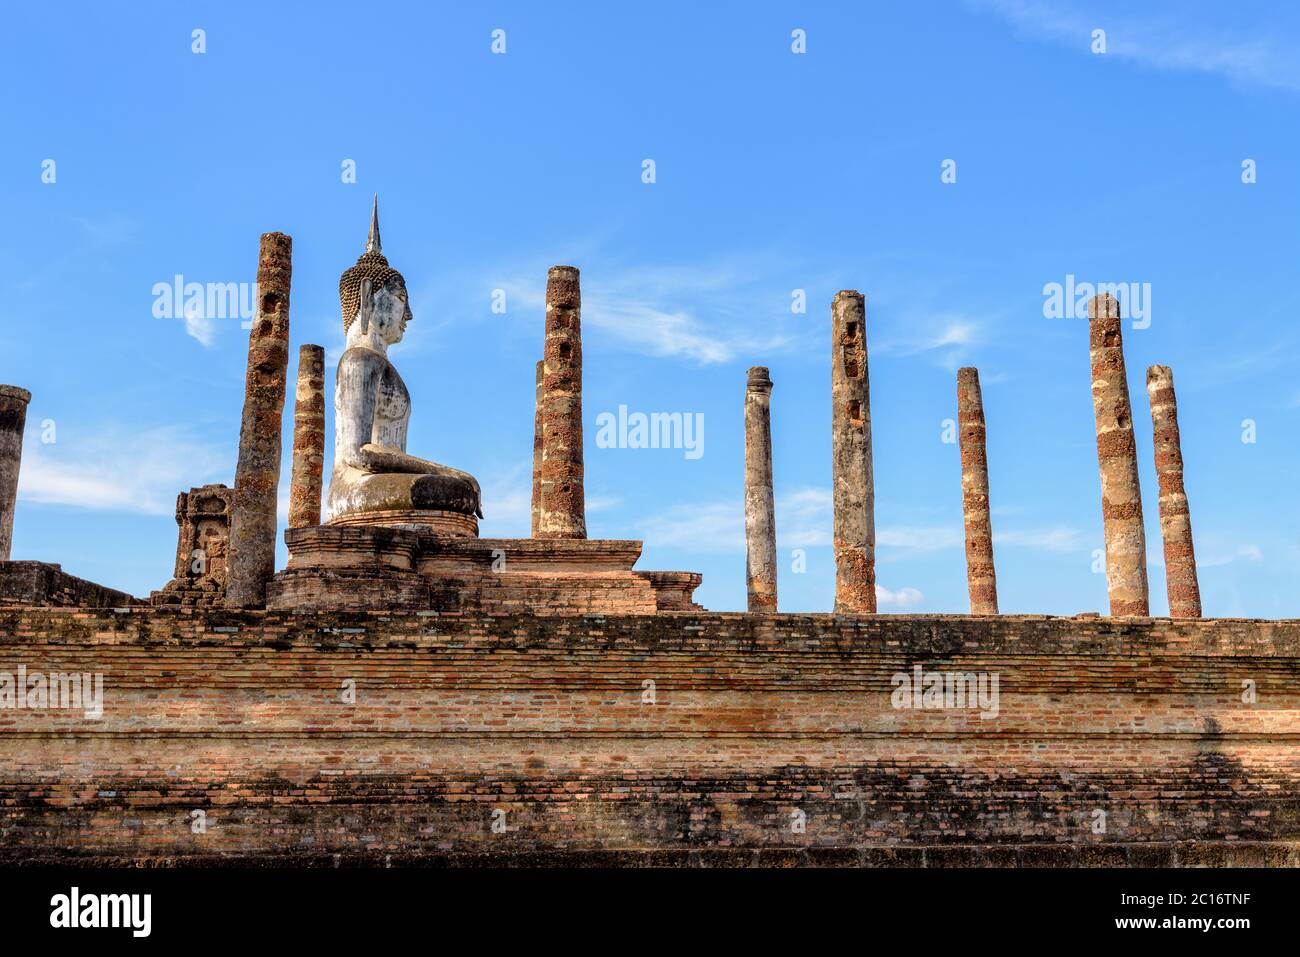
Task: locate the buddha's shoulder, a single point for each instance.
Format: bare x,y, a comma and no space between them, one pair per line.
358,359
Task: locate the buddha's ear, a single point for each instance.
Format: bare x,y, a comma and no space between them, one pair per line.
367,304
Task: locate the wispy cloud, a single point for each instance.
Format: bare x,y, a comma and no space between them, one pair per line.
199,326
804,520
1164,44
113,469
1057,539
946,338
1249,553
706,313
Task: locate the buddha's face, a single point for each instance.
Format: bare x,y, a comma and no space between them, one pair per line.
391,313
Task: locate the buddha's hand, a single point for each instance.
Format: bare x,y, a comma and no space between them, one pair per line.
381,458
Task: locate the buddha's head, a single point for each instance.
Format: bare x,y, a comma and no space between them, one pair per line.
376,285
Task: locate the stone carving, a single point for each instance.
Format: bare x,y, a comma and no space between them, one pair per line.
203,518
374,480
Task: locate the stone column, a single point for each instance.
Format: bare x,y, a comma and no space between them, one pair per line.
1121,496
1175,516
537,450
980,577
308,439
853,486
13,419
562,509
257,476
760,509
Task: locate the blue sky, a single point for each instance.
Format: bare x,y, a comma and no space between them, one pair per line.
775,171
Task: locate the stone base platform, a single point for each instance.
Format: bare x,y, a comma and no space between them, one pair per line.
441,523
346,567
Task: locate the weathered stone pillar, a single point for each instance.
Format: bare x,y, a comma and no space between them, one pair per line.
308,439
13,419
851,475
980,577
537,450
562,509
252,526
760,508
1175,516
1121,496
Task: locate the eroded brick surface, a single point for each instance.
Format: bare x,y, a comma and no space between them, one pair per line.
753,720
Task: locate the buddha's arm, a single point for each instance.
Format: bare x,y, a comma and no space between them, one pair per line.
381,458
356,393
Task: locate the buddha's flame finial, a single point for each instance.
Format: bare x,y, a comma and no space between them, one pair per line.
372,241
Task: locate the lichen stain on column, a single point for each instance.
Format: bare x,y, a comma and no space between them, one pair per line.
563,504
981,580
1175,515
307,477
257,475
1121,495
13,420
760,510
851,465
537,449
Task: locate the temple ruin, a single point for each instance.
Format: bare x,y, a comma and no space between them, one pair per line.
404,691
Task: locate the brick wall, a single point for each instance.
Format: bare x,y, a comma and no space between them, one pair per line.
770,739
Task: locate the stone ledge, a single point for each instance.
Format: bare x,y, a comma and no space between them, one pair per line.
42,585
834,636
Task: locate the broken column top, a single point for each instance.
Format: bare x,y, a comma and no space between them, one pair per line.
562,287
1157,375
849,294
1103,306
968,374
759,380
15,392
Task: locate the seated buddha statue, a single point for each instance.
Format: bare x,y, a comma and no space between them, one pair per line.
372,407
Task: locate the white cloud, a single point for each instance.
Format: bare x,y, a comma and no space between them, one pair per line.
1172,44
200,327
111,469
903,598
